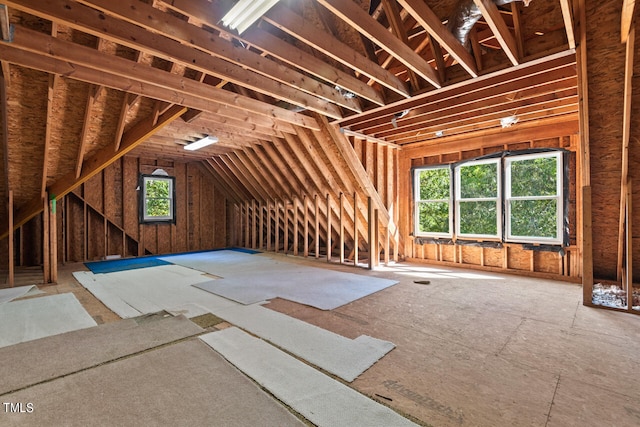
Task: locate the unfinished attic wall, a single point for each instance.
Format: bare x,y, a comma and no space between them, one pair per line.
100,218
510,257
605,67
308,194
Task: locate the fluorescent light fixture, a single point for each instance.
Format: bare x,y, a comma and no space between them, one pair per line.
245,13
207,140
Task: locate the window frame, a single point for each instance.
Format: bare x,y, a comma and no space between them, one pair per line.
498,199
144,218
559,197
417,201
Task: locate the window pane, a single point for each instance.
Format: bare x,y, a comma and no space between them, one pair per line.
477,181
534,177
158,208
434,184
433,217
157,188
478,218
534,218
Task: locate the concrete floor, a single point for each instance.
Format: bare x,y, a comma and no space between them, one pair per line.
477,349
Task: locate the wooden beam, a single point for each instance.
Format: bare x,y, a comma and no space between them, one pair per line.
45,53
626,21
329,228
392,11
499,28
341,229
53,82
94,165
355,16
423,14
46,256
53,238
305,248
567,16
628,270
4,124
355,229
316,218
284,19
626,131
94,92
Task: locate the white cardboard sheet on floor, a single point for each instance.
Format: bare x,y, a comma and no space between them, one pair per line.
249,279
321,399
9,294
34,318
341,356
134,292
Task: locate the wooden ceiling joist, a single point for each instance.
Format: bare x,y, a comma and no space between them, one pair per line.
423,14
626,21
96,23
39,51
499,28
178,30
355,16
293,24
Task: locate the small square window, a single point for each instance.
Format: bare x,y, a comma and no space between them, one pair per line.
157,199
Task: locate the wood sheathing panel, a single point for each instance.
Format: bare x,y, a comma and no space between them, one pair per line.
605,66
101,216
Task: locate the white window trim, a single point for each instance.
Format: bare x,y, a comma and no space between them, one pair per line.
166,218
559,197
497,199
417,201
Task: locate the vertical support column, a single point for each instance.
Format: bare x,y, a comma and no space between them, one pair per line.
371,232
269,217
53,245
296,226
328,227
306,227
355,229
254,225
376,240
341,228
261,240
247,225
285,205
629,247
46,257
587,248
317,226
277,227
11,238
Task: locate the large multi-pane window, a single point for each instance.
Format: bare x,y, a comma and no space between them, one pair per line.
534,198
514,198
157,199
478,199
433,201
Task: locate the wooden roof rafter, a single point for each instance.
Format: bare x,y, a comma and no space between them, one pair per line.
499,28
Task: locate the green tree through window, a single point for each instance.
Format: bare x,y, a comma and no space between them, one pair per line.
433,203
157,204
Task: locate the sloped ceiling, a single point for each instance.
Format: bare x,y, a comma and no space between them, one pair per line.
89,80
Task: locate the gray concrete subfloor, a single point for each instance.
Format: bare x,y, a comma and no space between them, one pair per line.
478,349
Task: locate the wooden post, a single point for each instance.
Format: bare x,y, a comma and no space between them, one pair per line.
269,218
387,246
629,247
355,228
254,225
587,248
306,227
247,225
46,256
296,229
376,240
277,230
286,226
341,249
372,234
261,240
11,242
328,228
53,246
317,226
